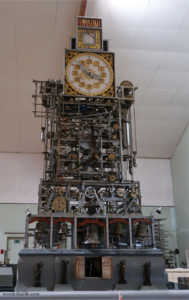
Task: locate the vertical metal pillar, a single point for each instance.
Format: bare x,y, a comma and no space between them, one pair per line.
130,233
120,144
75,233
51,232
153,235
107,233
26,232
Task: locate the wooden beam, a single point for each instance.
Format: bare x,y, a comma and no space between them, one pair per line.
83,8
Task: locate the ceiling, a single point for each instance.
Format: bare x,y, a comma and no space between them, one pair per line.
151,42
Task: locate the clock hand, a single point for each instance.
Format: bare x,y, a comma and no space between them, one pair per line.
89,73
96,76
82,66
90,34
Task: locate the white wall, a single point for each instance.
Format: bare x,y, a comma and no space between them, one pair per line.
180,177
156,183
20,175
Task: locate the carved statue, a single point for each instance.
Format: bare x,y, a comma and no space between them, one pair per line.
38,274
147,273
63,266
122,272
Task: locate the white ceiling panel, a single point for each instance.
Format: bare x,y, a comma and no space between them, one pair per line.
144,141
178,3
185,83
8,60
139,95
45,10
147,127
96,8
130,14
167,80
6,9
120,57
35,71
174,62
160,142
178,114
34,60
159,152
142,152
119,37
150,113
68,10
39,53
162,17
9,133
63,36
171,128
181,99
142,60
180,42
34,30
139,78
184,25
26,89
9,97
30,129
158,97
6,28
152,40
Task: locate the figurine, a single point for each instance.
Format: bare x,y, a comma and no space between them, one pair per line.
38,274
122,271
147,274
63,271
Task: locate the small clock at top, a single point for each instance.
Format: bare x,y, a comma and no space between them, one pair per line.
88,33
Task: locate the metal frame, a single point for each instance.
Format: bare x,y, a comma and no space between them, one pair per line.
76,216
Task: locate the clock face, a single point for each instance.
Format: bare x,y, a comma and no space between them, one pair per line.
89,74
89,38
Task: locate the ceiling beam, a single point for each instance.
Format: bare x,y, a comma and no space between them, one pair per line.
83,8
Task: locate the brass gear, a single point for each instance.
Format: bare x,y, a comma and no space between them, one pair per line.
61,191
116,126
112,177
59,203
111,156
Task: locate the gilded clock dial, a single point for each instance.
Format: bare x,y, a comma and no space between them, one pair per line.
89,74
89,38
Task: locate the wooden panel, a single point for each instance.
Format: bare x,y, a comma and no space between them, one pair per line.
107,267
80,267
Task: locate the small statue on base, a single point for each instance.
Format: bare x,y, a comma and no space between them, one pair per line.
38,274
63,266
147,273
122,272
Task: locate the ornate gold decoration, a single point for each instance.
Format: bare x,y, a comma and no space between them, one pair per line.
109,60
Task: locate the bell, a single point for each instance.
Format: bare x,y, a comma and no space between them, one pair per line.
39,227
141,230
118,229
63,228
92,236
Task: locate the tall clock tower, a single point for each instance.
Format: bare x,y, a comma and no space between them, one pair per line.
89,223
